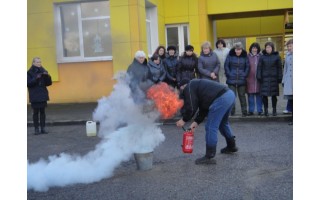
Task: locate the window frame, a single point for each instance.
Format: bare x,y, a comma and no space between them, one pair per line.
152,21
59,40
180,35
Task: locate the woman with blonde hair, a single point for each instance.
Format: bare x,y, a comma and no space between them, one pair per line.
38,79
208,63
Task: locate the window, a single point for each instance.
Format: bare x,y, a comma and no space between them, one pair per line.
151,27
148,27
178,36
83,31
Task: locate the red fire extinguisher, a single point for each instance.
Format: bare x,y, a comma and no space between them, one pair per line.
187,141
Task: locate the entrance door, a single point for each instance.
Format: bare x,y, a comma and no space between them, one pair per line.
178,36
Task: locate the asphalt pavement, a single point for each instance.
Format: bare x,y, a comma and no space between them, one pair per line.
261,169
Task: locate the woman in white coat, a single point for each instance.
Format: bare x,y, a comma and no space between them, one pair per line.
222,52
287,80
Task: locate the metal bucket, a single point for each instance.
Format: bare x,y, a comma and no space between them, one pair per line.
144,160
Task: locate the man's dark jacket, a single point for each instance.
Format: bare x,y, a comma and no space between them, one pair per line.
199,94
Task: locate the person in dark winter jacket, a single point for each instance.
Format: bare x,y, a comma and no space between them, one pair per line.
140,79
253,85
208,63
214,101
269,74
237,69
188,65
38,79
156,69
170,64
161,51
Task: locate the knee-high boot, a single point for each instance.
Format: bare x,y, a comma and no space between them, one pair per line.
265,105
274,105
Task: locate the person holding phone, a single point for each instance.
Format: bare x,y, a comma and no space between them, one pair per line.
38,79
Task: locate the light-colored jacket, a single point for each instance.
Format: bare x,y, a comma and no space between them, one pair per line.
287,79
222,55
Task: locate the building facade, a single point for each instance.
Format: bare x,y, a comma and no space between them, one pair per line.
83,44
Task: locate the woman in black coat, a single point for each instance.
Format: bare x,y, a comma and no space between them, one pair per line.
269,74
188,65
38,80
170,64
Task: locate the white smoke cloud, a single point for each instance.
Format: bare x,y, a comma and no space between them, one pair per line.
125,128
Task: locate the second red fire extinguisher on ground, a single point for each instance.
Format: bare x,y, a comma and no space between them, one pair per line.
187,141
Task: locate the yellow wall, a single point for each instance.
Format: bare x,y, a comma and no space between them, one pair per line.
235,6
89,81
249,41
82,82
128,30
254,26
41,34
161,23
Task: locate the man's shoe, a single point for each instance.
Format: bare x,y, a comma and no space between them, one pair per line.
260,113
205,161
250,113
43,131
274,112
231,146
229,150
36,131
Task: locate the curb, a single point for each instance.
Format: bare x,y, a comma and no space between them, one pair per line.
173,120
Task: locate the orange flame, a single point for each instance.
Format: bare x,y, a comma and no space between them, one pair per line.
166,100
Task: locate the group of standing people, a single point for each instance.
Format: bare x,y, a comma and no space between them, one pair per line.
209,84
256,74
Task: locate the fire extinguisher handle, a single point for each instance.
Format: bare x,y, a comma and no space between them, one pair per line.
189,129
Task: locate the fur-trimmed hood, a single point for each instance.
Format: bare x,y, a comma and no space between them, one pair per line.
232,52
